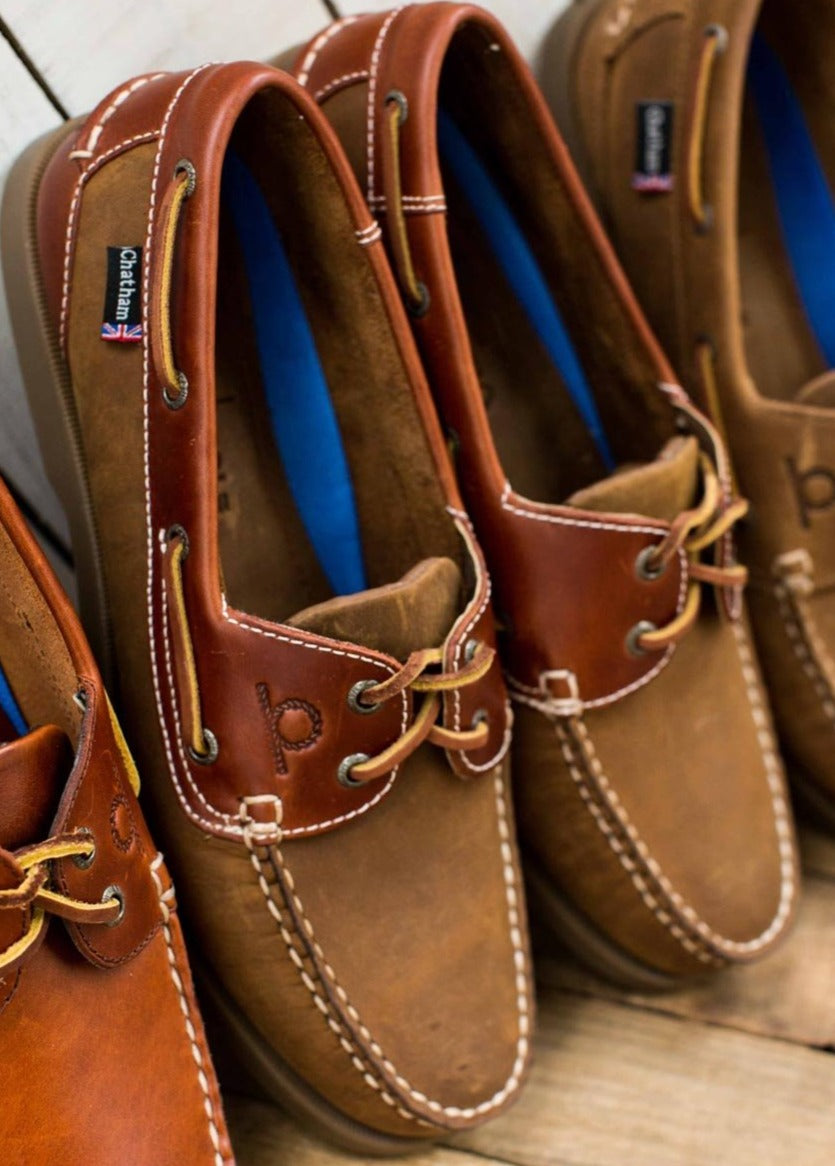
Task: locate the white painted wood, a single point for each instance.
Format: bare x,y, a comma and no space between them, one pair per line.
528,21
24,114
84,48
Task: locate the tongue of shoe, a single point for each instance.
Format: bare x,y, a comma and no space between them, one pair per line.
33,772
661,489
399,618
820,391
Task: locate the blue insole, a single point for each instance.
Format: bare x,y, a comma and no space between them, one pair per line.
804,199
10,706
303,419
521,270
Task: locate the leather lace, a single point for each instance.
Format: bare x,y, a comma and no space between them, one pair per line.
417,676
694,532
715,43
36,893
175,383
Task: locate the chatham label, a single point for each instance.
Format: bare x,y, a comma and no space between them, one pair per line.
654,161
122,302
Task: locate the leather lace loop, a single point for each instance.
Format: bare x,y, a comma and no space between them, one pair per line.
417,675
696,531
175,384
415,292
34,892
715,43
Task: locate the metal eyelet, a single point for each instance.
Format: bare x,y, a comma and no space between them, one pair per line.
643,568
354,702
633,646
482,717
179,532
176,402
184,166
470,649
212,749
419,308
401,101
721,34
85,861
80,700
343,774
114,892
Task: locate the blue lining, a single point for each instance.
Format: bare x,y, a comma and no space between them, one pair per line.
521,270
10,706
804,198
303,419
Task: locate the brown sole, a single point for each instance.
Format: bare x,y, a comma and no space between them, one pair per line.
556,65
50,394
589,945
47,382
237,1043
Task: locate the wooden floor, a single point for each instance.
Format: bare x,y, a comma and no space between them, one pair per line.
735,1073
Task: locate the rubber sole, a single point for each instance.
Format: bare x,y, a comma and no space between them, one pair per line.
49,390
589,945
47,381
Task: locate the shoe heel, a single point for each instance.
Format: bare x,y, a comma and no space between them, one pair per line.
47,381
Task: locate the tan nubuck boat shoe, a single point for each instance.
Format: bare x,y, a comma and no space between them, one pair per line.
716,174
650,800
278,569
95,988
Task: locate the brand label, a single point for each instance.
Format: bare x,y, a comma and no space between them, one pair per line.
654,161
814,490
122,301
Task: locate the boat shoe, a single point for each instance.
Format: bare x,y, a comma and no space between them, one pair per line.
103,1046
279,571
650,800
716,172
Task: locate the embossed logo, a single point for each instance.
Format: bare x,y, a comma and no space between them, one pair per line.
293,724
814,490
122,825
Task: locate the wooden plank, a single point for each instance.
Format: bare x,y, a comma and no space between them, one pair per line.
613,1085
528,21
84,48
263,1136
790,995
24,114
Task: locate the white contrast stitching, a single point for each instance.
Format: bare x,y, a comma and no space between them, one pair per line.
120,98
372,93
166,897
86,174
369,234
319,43
706,934
520,966
340,83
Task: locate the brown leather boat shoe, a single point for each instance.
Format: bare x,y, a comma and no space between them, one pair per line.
279,569
94,983
650,799
727,227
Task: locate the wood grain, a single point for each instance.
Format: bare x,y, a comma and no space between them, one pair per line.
84,48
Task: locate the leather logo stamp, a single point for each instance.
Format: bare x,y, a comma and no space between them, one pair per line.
293,725
814,490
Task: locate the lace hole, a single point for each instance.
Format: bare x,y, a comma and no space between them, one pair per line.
114,892
644,567
355,702
419,307
633,645
85,861
211,751
176,400
343,774
398,98
184,166
178,532
722,36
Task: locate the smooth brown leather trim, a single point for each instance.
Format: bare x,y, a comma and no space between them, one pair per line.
192,116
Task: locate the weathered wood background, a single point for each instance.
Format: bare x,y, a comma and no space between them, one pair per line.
737,1073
